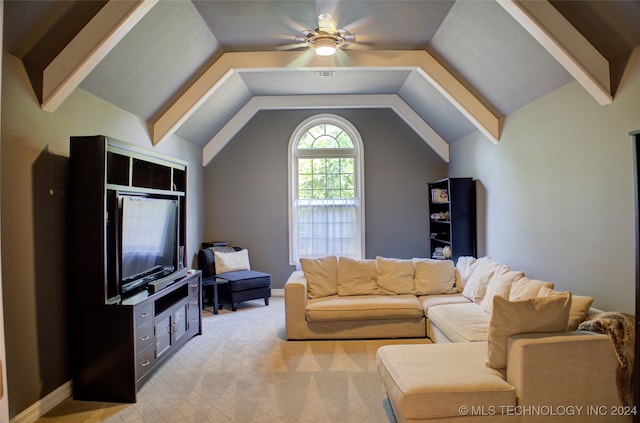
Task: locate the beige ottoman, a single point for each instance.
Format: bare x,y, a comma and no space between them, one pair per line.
443,381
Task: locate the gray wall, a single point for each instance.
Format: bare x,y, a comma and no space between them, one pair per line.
556,194
35,150
246,187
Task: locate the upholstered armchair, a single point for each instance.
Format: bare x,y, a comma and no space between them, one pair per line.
243,284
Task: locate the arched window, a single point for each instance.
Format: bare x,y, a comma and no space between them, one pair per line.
326,189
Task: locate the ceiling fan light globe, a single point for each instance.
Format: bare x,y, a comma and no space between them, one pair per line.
327,50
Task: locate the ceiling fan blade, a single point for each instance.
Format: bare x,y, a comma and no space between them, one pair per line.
303,59
297,27
343,58
359,25
293,46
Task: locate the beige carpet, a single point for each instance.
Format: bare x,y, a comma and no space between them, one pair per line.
242,370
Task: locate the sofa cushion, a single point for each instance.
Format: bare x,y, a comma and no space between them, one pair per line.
231,261
499,284
533,315
395,276
435,380
357,277
429,301
580,306
525,288
245,279
464,322
476,285
321,274
464,268
434,276
364,307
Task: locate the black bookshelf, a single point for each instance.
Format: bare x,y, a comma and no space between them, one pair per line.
452,218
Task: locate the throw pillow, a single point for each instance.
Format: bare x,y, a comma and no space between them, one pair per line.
464,268
539,314
395,276
434,276
230,262
499,284
580,306
476,285
321,274
357,277
527,288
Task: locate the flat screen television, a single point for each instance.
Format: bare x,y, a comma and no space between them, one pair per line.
148,239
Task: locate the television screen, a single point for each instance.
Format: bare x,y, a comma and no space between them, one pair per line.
149,234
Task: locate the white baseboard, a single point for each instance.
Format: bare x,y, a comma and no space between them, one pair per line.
277,292
46,404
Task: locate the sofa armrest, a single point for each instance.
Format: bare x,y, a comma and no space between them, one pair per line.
295,302
560,369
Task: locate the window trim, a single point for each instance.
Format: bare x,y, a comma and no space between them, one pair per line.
358,151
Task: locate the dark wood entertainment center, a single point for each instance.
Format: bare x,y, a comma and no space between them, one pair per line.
117,338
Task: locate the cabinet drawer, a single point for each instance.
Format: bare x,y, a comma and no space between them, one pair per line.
144,338
193,315
194,285
145,362
193,301
143,314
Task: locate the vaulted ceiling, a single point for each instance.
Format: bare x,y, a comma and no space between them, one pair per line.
202,69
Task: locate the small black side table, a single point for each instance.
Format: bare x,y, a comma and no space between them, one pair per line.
213,282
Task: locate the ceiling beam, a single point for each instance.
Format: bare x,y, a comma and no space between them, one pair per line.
427,65
563,41
96,39
363,101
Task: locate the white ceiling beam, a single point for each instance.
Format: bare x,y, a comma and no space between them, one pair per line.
570,48
428,67
103,32
257,103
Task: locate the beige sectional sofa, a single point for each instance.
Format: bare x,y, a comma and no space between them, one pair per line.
341,298
505,346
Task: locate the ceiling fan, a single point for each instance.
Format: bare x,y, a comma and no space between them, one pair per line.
326,38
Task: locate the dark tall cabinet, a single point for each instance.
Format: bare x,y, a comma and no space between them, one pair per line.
118,338
452,218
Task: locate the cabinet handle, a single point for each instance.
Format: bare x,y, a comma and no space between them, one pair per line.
195,285
145,314
145,363
144,338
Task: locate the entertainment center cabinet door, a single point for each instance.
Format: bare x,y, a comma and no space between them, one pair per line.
171,327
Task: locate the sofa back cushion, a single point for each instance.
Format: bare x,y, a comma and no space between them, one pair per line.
357,277
525,288
533,315
434,276
476,285
395,276
580,306
321,274
464,268
499,284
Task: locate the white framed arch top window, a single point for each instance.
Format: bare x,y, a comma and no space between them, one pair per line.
326,189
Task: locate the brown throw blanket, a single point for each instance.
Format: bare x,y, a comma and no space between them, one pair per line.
621,330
